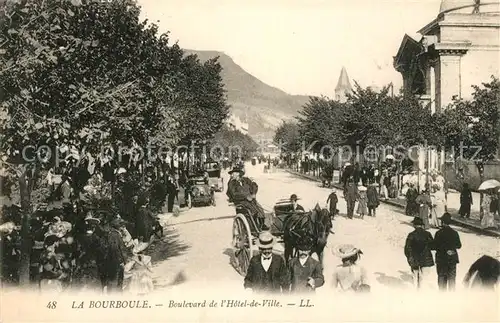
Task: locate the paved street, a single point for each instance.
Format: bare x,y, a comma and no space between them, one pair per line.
201,238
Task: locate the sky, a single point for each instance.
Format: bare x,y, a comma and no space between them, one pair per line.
298,46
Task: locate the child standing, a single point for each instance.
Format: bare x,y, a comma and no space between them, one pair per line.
372,197
362,205
332,203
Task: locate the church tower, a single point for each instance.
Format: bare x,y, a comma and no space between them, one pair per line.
343,86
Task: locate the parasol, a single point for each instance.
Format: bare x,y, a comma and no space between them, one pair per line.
489,184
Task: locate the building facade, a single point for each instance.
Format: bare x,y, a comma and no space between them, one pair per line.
458,49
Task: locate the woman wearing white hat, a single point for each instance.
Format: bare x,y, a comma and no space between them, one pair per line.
349,276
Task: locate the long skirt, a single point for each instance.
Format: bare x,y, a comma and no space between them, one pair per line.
253,207
362,208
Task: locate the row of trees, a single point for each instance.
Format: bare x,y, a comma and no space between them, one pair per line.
377,118
85,76
232,143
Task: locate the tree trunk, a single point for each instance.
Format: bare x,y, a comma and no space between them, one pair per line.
24,265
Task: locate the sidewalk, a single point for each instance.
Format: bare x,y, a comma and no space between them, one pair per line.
453,199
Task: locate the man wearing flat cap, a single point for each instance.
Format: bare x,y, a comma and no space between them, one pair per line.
242,190
267,272
446,243
306,273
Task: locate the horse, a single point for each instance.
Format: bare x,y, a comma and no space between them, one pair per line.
483,273
315,225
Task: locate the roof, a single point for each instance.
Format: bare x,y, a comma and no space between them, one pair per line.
408,49
343,82
468,6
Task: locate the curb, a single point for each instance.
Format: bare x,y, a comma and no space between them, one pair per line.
470,226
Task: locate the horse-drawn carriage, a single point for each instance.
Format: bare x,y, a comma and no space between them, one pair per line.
281,222
214,175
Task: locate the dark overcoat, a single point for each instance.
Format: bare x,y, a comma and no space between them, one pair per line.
418,248
275,280
299,275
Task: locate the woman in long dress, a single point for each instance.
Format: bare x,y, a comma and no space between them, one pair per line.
438,206
424,201
488,220
362,202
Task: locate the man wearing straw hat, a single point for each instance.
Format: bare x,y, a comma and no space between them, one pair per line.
267,272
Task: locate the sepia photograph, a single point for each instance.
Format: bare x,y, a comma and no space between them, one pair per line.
250,161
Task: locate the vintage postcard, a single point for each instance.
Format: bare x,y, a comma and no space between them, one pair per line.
250,161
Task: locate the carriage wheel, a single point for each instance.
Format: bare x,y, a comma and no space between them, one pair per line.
189,201
242,244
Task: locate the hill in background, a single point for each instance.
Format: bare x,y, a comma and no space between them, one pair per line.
264,107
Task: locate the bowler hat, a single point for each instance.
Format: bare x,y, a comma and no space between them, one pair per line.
266,240
446,218
304,245
294,197
237,170
417,221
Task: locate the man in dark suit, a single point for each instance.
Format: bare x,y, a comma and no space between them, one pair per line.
296,208
446,243
417,250
306,273
350,196
267,272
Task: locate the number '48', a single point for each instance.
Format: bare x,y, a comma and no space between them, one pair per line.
52,305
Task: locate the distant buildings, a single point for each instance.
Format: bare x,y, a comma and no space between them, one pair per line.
235,123
266,144
343,86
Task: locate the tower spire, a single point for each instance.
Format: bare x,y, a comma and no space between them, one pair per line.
343,86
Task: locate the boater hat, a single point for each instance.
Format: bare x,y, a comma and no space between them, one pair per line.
266,240
346,251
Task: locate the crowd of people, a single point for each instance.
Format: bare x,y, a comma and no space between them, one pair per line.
268,272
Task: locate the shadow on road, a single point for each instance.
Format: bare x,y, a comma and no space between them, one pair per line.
169,246
229,252
223,217
394,282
